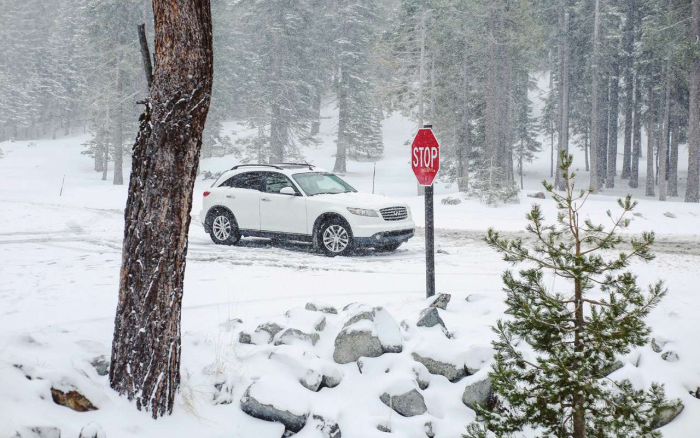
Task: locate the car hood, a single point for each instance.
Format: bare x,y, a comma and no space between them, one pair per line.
360,200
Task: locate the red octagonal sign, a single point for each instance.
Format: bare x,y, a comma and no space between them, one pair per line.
425,156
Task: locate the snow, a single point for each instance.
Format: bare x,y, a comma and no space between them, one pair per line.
59,267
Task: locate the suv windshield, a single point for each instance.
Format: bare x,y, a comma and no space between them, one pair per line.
317,183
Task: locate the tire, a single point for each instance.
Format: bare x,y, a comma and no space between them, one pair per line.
224,228
389,247
335,238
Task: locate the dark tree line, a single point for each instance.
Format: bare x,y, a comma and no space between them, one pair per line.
623,73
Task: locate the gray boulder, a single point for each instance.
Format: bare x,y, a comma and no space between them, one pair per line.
265,410
422,376
408,404
655,346
668,414
452,372
271,328
101,365
72,399
370,332
292,335
318,307
441,301
611,368
428,427
244,338
356,341
430,317
538,195
477,393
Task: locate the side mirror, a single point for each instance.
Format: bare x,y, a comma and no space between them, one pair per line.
288,191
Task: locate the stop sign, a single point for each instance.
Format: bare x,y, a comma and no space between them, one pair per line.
425,156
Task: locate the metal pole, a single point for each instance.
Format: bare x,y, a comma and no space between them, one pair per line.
429,243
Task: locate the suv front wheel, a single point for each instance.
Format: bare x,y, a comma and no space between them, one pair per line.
335,238
224,230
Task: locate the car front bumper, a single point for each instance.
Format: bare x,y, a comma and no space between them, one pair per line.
385,238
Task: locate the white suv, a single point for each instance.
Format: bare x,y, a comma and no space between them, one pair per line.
305,203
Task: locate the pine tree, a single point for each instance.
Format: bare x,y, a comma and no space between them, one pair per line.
558,384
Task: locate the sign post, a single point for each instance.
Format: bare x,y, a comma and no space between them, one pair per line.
425,161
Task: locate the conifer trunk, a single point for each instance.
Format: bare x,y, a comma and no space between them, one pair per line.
613,116
673,156
145,363
118,178
636,133
628,47
663,144
564,91
342,146
595,102
651,133
692,193
579,410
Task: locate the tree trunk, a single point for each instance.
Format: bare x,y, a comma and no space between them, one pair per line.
421,83
636,133
118,132
586,153
105,148
665,131
342,146
145,363
464,134
673,156
316,124
559,182
628,48
602,159
279,134
651,134
612,123
692,192
595,101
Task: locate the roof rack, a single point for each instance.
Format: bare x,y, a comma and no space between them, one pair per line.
310,166
256,165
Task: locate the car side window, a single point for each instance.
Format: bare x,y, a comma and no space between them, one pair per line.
247,180
275,182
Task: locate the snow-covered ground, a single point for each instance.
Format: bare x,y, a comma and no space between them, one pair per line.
59,264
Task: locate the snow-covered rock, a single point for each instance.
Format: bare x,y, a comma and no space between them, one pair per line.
320,427
311,371
441,301
408,404
612,367
446,357
101,365
430,317
668,414
369,332
270,328
670,356
92,430
355,341
305,320
292,336
321,307
477,392
278,401
38,432
422,376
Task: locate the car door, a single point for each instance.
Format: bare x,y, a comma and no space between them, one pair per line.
282,213
241,194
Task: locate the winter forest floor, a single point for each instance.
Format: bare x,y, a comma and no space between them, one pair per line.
60,258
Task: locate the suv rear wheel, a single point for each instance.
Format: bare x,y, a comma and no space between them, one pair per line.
335,238
224,230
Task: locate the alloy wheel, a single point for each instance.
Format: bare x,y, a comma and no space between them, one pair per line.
221,227
336,238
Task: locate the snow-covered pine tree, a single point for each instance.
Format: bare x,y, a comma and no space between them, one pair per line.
558,383
359,123
525,125
489,188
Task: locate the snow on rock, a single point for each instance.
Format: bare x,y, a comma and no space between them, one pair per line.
310,370
430,317
101,365
305,320
670,356
292,336
278,401
611,368
269,328
92,430
320,427
668,414
38,432
321,307
404,399
450,358
477,392
441,301
368,332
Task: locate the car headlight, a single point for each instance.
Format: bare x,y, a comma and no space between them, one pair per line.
363,212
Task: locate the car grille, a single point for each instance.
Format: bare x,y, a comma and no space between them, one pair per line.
394,213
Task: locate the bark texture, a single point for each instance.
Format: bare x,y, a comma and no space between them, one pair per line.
145,363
